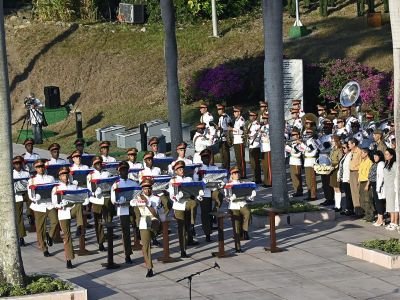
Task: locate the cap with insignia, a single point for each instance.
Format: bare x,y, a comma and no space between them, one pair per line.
132,151
63,170
237,108
29,141
203,105
182,145
39,163
252,113
122,165
148,155
201,126
79,142
205,152
54,146
153,140
179,164
18,159
105,144
220,106
147,182
96,160
234,170
76,153
296,101
263,104
294,110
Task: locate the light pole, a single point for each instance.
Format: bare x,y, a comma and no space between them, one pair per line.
298,30
214,18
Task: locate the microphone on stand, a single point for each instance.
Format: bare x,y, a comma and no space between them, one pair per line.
216,265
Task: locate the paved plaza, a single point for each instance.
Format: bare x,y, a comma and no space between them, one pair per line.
314,265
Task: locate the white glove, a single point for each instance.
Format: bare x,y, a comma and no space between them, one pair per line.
233,197
97,192
179,195
37,198
200,198
122,199
86,202
75,182
252,196
201,193
221,185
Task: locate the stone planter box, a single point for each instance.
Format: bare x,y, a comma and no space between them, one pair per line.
78,293
295,218
377,257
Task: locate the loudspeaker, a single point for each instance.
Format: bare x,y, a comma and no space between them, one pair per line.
52,97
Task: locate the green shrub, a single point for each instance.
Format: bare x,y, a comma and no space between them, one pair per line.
34,285
57,10
391,246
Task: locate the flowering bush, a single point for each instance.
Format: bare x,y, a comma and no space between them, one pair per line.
234,82
374,85
390,96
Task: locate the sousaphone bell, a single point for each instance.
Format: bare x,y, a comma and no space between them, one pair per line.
350,94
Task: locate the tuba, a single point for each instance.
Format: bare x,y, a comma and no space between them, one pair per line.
350,94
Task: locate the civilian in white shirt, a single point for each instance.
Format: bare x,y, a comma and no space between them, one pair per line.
104,150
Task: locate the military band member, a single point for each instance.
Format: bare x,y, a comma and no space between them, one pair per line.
146,206
390,135
181,150
100,212
21,195
153,143
206,204
66,213
150,171
104,152
238,143
310,156
296,103
295,121
200,142
348,117
239,208
223,135
121,208
340,128
55,155
321,116
324,147
263,109
295,149
356,131
254,146
42,211
206,116
184,209
266,151
334,113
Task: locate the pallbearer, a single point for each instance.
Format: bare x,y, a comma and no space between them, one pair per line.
42,210
21,178
132,159
122,207
66,212
146,206
153,143
181,150
239,208
104,152
55,155
185,209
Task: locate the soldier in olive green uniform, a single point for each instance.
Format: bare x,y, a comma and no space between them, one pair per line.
21,196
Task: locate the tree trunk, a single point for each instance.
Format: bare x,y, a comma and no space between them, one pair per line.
395,25
273,90
11,266
171,65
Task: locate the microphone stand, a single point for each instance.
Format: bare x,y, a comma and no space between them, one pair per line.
190,277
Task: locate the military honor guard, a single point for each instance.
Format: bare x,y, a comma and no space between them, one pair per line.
121,204
295,149
321,116
239,208
206,117
132,159
76,157
310,156
390,136
104,152
254,146
263,109
378,144
296,104
103,210
265,147
30,154
21,178
181,150
200,142
146,207
206,204
42,210
238,142
295,121
185,209
223,136
55,155
153,143
66,212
